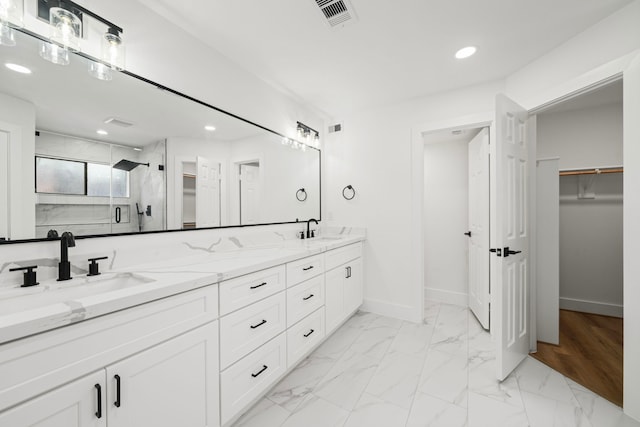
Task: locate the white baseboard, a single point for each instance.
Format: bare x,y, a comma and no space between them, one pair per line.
397,311
615,310
447,297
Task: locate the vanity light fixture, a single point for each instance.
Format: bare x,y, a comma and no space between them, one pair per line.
53,53
17,68
113,49
11,15
209,128
66,27
309,134
100,71
65,18
466,52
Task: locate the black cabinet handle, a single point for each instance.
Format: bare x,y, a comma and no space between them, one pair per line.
117,402
118,214
307,268
259,324
348,271
308,333
309,297
257,286
264,368
99,395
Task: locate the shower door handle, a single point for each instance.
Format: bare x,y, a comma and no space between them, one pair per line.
118,214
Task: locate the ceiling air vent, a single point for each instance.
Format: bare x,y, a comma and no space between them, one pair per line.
336,12
118,122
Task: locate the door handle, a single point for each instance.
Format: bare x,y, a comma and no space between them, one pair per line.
496,251
468,233
117,401
118,214
99,396
508,252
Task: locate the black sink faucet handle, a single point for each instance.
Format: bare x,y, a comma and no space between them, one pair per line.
94,268
29,276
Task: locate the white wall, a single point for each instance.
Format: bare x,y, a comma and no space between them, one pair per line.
591,230
446,211
374,154
582,138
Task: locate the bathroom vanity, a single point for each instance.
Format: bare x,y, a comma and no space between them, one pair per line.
191,341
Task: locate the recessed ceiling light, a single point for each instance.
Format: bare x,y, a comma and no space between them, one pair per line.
17,68
210,128
466,52
137,149
102,132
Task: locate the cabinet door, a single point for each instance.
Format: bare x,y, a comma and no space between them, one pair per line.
353,286
334,297
171,384
77,404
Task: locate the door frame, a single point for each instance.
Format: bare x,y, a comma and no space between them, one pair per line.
417,201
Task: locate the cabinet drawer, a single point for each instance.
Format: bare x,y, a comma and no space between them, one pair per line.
245,330
303,269
242,291
303,336
251,376
304,298
339,256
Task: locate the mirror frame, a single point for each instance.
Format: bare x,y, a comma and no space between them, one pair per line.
204,104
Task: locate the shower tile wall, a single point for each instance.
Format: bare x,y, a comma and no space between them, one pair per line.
96,215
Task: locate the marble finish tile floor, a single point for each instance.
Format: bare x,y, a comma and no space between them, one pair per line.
377,371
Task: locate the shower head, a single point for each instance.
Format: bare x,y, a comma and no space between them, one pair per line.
128,165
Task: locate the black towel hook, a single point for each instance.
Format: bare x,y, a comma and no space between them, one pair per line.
345,192
301,195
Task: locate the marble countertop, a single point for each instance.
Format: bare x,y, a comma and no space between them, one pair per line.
52,304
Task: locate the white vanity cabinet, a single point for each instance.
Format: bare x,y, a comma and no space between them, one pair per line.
343,283
72,405
154,364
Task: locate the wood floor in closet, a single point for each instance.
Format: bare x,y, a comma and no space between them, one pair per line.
590,352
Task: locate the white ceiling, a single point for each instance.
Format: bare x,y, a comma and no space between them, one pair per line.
396,50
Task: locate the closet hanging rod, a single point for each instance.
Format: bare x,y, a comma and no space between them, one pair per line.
594,171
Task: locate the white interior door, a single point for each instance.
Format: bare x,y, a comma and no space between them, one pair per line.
249,193
479,227
511,269
4,185
207,193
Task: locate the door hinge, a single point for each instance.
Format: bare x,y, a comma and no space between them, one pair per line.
497,251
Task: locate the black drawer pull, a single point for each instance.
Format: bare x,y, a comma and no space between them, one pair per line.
257,286
264,368
307,268
259,324
99,395
308,333
117,402
309,297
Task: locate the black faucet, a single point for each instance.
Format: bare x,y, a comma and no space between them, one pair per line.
308,224
64,266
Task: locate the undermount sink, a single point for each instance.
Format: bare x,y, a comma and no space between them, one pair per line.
22,299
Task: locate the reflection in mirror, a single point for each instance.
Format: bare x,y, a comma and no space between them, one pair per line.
126,155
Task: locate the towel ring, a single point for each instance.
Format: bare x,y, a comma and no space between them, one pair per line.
348,189
301,195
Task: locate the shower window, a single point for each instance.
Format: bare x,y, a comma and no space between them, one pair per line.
58,176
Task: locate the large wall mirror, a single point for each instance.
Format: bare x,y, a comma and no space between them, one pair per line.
99,157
